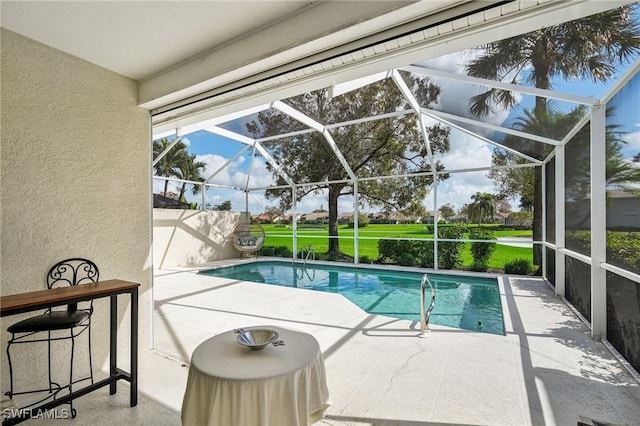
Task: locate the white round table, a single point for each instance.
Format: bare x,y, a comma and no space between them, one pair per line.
230,384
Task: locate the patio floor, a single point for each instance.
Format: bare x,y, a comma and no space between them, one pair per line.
546,370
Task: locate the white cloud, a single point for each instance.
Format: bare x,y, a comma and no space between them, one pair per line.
466,152
260,175
158,186
213,163
632,146
457,190
313,202
235,174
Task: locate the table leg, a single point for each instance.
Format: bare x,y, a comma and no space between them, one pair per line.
113,343
134,348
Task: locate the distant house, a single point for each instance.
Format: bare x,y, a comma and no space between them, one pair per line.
345,217
377,218
263,218
428,218
501,217
623,210
459,218
162,202
393,217
397,217
317,217
622,207
288,218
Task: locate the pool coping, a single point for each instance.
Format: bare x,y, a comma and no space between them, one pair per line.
495,278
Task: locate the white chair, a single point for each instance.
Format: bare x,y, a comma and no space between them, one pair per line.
248,237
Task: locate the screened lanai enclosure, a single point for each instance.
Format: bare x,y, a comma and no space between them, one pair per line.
544,127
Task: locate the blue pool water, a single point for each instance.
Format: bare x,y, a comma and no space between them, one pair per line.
470,303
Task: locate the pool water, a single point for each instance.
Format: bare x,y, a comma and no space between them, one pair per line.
470,303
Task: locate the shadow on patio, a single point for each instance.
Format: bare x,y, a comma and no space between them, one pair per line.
545,370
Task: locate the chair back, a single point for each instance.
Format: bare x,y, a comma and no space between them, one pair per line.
73,271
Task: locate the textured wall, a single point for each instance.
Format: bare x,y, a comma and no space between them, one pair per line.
75,167
191,237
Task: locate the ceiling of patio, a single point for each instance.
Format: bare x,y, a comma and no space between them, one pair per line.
178,50
167,43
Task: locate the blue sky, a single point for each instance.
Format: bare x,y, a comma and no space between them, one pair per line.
201,142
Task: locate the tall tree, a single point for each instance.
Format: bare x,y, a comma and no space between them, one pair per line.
589,48
189,169
169,165
177,163
447,211
224,206
483,206
380,147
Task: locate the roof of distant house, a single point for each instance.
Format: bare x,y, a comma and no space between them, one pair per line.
162,202
317,216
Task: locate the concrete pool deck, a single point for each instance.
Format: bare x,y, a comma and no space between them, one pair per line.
546,370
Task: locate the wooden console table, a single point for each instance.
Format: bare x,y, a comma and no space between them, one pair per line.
43,299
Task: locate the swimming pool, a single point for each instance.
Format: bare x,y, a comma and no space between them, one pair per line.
470,303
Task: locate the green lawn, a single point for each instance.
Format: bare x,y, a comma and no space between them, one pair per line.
278,235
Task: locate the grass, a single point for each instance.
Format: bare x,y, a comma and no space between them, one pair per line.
317,236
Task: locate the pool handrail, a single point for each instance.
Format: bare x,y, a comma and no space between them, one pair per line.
426,314
310,252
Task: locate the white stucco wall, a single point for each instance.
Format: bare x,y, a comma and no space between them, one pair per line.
75,170
192,237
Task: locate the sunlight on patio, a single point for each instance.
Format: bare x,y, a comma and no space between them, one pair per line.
379,371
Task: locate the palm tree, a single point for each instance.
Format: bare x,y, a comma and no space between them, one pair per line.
589,48
483,206
169,165
189,169
177,163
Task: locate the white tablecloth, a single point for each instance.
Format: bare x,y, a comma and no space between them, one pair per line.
232,385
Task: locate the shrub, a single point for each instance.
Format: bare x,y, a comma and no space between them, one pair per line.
406,252
623,250
387,249
365,259
518,267
406,259
423,252
480,251
363,220
449,251
478,266
279,251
